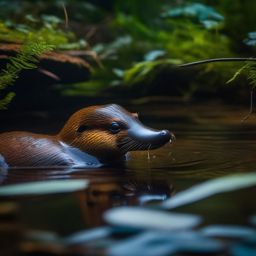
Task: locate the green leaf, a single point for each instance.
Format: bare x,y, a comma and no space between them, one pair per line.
6,100
25,59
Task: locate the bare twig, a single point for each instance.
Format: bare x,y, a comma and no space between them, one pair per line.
65,14
49,74
251,107
215,60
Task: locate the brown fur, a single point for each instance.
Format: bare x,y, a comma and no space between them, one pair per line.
97,140
87,130
29,149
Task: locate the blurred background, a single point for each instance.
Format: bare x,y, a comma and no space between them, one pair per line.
124,52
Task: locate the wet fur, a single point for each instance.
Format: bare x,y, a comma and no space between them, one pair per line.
86,130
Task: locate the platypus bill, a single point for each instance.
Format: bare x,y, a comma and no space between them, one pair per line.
92,137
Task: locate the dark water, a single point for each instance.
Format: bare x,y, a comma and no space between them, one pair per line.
211,142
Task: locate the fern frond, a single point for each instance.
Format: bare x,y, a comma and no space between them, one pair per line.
252,75
6,100
27,58
250,70
238,73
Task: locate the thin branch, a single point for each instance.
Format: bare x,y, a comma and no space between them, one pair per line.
65,14
251,107
215,60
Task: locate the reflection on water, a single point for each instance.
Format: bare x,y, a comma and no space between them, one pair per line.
210,142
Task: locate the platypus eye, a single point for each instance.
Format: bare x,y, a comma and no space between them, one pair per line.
82,128
115,127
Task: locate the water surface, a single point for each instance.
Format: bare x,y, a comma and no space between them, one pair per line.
211,142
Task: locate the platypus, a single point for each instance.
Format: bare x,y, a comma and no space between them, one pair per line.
92,137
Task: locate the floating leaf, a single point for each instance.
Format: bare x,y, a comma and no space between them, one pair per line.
43,187
210,188
166,243
88,235
228,231
141,218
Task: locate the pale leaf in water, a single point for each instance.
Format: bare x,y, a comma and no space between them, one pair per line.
85,236
88,235
143,218
166,243
228,231
210,188
43,187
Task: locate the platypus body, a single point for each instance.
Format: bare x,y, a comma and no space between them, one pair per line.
92,137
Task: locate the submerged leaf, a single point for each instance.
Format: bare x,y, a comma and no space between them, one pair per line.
166,243
209,188
43,187
143,218
88,235
228,231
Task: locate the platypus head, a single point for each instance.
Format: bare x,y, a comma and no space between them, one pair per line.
108,132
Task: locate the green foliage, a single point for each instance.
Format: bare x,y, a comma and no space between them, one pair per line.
48,32
146,70
143,48
25,59
248,69
37,35
205,15
237,73
6,100
136,41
